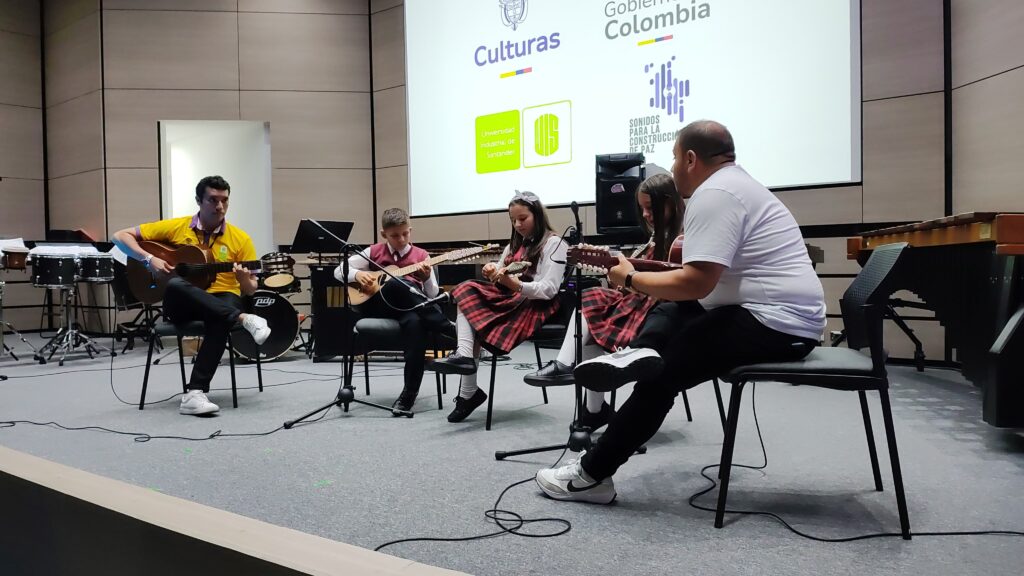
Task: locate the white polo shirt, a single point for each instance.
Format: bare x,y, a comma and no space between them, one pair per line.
733,220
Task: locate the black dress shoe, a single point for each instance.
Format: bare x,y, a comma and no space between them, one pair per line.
553,373
595,421
465,406
454,364
404,403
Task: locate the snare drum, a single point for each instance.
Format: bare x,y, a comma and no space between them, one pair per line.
54,270
282,319
96,268
14,258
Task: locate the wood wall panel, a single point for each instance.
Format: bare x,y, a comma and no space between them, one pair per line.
379,5
170,50
20,70
448,228
22,214
315,52
904,159
77,202
987,38
313,129
388,49
323,194
304,6
21,143
902,47
59,14
392,190
20,17
133,197
988,144
132,117
390,128
835,256
824,205
73,60
186,5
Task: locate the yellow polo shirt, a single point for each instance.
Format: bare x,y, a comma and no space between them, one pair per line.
228,244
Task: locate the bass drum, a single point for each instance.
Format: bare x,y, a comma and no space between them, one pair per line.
282,319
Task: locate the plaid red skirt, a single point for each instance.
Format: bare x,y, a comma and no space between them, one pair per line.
615,318
501,318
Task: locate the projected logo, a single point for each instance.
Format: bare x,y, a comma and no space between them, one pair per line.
668,91
513,12
547,134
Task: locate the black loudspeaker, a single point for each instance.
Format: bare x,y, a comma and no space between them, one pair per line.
618,176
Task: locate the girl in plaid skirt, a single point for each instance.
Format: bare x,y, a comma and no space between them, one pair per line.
506,310
611,318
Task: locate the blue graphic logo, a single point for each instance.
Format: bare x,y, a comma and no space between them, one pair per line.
668,90
513,12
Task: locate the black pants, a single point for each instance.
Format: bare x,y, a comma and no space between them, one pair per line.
219,312
393,298
697,345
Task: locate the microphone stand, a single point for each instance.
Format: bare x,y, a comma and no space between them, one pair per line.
346,392
579,435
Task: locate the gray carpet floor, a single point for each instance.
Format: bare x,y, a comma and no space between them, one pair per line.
366,478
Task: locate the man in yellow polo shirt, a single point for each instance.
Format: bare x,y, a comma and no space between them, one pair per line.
220,305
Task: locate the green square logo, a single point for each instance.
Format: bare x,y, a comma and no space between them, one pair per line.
497,142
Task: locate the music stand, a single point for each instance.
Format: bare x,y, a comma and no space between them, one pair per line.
326,235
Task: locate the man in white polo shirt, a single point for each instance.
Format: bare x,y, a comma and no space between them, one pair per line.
747,293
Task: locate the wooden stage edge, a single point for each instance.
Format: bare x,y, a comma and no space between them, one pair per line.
58,517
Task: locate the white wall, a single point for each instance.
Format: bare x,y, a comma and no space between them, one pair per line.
239,151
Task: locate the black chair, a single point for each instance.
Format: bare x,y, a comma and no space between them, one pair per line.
863,307
180,331
386,334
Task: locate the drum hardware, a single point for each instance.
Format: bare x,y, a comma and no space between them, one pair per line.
4,347
70,335
96,268
283,320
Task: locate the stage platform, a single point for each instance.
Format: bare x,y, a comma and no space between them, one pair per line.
364,478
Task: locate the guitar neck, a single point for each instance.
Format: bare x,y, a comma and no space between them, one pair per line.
454,255
651,265
218,267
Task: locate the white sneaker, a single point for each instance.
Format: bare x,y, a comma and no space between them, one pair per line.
195,402
608,372
570,482
256,326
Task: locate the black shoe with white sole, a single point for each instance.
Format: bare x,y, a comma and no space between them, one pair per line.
611,371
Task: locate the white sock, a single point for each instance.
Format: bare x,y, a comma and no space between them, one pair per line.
594,401
567,353
466,337
467,385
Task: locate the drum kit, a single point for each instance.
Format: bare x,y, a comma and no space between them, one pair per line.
64,271
277,283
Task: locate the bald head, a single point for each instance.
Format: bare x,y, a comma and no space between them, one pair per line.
709,140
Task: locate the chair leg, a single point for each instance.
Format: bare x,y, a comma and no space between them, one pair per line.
536,349
181,363
613,400
894,461
366,372
686,404
871,439
727,447
231,362
490,395
437,379
544,391
145,377
259,368
718,397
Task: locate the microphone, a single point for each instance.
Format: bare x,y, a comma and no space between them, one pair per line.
442,297
575,207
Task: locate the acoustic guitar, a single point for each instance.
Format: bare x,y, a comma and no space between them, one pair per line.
358,295
193,263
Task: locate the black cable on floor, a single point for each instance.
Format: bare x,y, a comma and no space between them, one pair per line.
714,484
